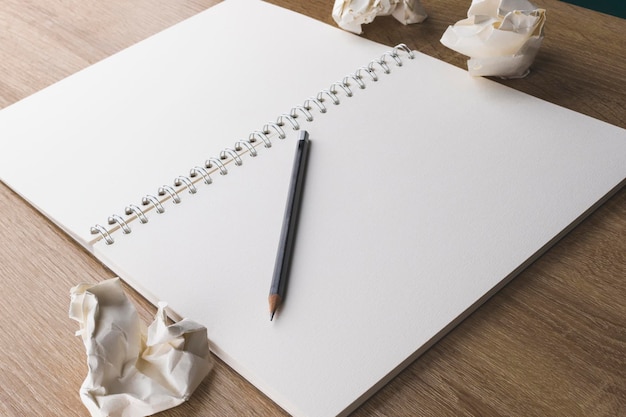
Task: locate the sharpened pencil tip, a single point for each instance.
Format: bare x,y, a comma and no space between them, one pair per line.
274,300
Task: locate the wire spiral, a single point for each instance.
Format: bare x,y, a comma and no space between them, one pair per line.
233,155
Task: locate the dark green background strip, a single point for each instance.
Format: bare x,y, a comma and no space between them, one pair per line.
613,7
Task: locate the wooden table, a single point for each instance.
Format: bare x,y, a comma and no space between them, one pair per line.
552,342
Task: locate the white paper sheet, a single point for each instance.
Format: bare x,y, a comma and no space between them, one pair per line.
351,14
134,371
501,37
423,194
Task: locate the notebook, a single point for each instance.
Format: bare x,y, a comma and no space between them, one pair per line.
426,191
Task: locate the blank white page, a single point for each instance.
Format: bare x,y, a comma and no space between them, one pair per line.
99,140
425,193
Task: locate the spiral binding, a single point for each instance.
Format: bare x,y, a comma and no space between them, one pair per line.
249,146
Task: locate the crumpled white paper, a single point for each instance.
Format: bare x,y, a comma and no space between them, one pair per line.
134,371
501,37
351,14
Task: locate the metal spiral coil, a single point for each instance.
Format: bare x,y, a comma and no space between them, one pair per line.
113,219
292,120
217,161
147,199
104,233
182,179
133,209
257,138
193,173
307,114
166,189
246,144
234,155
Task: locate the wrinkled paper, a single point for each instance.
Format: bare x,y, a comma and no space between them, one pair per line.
134,371
501,37
351,14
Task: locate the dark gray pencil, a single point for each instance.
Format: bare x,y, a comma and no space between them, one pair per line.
290,221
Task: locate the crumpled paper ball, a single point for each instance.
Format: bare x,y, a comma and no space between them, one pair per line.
501,37
134,371
351,14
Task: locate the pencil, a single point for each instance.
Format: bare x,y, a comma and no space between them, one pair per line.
290,221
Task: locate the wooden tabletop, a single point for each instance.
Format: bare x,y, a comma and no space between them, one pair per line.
551,343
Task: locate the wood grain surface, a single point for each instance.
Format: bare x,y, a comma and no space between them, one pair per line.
551,343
